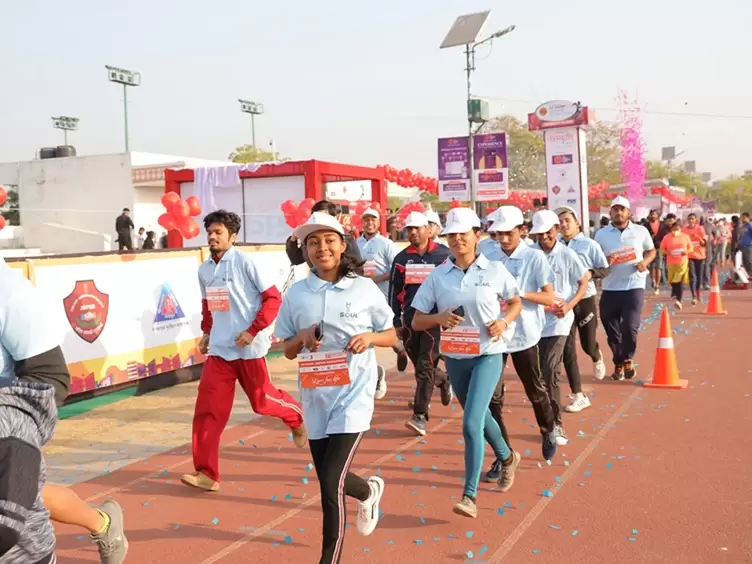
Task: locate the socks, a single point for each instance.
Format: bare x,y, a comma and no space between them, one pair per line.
105,524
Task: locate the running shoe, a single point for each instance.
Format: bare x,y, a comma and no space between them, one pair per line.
200,481
599,368
629,370
560,436
402,361
417,424
380,382
368,510
548,442
618,373
507,472
494,473
112,543
579,403
678,305
446,393
466,507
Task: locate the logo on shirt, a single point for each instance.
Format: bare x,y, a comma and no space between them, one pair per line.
169,314
347,314
480,282
86,308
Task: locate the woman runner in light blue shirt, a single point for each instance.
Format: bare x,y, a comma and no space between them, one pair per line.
330,323
466,290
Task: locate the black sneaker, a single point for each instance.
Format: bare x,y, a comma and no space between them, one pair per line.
618,372
494,473
629,370
446,393
548,443
417,424
402,361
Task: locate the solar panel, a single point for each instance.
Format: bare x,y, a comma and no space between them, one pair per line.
465,30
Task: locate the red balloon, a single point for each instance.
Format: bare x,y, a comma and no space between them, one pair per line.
169,199
302,216
168,221
3,196
193,205
288,207
455,204
290,220
376,206
356,221
2,222
189,229
307,204
181,209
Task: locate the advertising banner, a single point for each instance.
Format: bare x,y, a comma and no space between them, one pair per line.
454,169
566,171
491,167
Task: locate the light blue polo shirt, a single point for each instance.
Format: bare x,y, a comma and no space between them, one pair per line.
244,279
379,251
487,246
624,276
528,241
28,327
530,269
568,271
352,306
478,291
591,256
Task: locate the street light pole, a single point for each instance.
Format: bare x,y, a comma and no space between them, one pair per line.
248,107
126,78
66,124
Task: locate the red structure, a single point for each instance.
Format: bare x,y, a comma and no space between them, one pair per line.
315,174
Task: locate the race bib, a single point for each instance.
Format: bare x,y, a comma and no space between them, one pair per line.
416,273
676,252
323,369
218,298
558,302
369,268
460,340
623,256
503,305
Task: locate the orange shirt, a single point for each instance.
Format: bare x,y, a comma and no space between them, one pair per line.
676,247
697,235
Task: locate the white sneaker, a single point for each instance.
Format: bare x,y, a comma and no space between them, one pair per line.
599,368
560,436
678,304
368,510
380,383
656,291
579,403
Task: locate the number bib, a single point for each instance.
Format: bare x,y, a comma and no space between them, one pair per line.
416,273
623,256
558,301
323,369
460,340
676,252
218,298
369,268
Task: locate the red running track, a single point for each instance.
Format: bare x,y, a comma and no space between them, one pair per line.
649,476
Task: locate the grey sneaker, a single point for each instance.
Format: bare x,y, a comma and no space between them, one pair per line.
507,472
112,544
466,507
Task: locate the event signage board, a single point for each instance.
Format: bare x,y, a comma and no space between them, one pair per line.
566,171
454,169
491,167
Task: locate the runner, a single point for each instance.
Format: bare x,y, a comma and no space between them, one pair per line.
629,250
434,226
676,247
410,268
586,312
339,318
466,291
30,351
379,253
571,279
658,230
697,235
535,280
240,302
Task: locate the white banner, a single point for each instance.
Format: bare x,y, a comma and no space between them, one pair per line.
566,171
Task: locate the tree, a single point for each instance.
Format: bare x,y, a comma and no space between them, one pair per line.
604,153
251,154
727,197
9,210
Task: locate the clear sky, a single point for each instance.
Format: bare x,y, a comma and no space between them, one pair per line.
365,82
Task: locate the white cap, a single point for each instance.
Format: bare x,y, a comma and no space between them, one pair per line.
461,220
543,221
433,217
507,218
560,210
372,212
319,221
620,201
416,219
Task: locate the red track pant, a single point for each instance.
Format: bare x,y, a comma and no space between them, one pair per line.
216,394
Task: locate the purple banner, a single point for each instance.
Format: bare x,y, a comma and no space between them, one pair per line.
454,158
490,151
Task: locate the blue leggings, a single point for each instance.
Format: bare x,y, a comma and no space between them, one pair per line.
474,381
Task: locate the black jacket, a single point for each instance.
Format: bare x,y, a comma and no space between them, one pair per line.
400,294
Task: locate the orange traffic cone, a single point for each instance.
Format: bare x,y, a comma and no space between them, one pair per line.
666,371
715,307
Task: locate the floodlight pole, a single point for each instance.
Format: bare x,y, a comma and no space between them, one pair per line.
125,117
253,130
470,61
